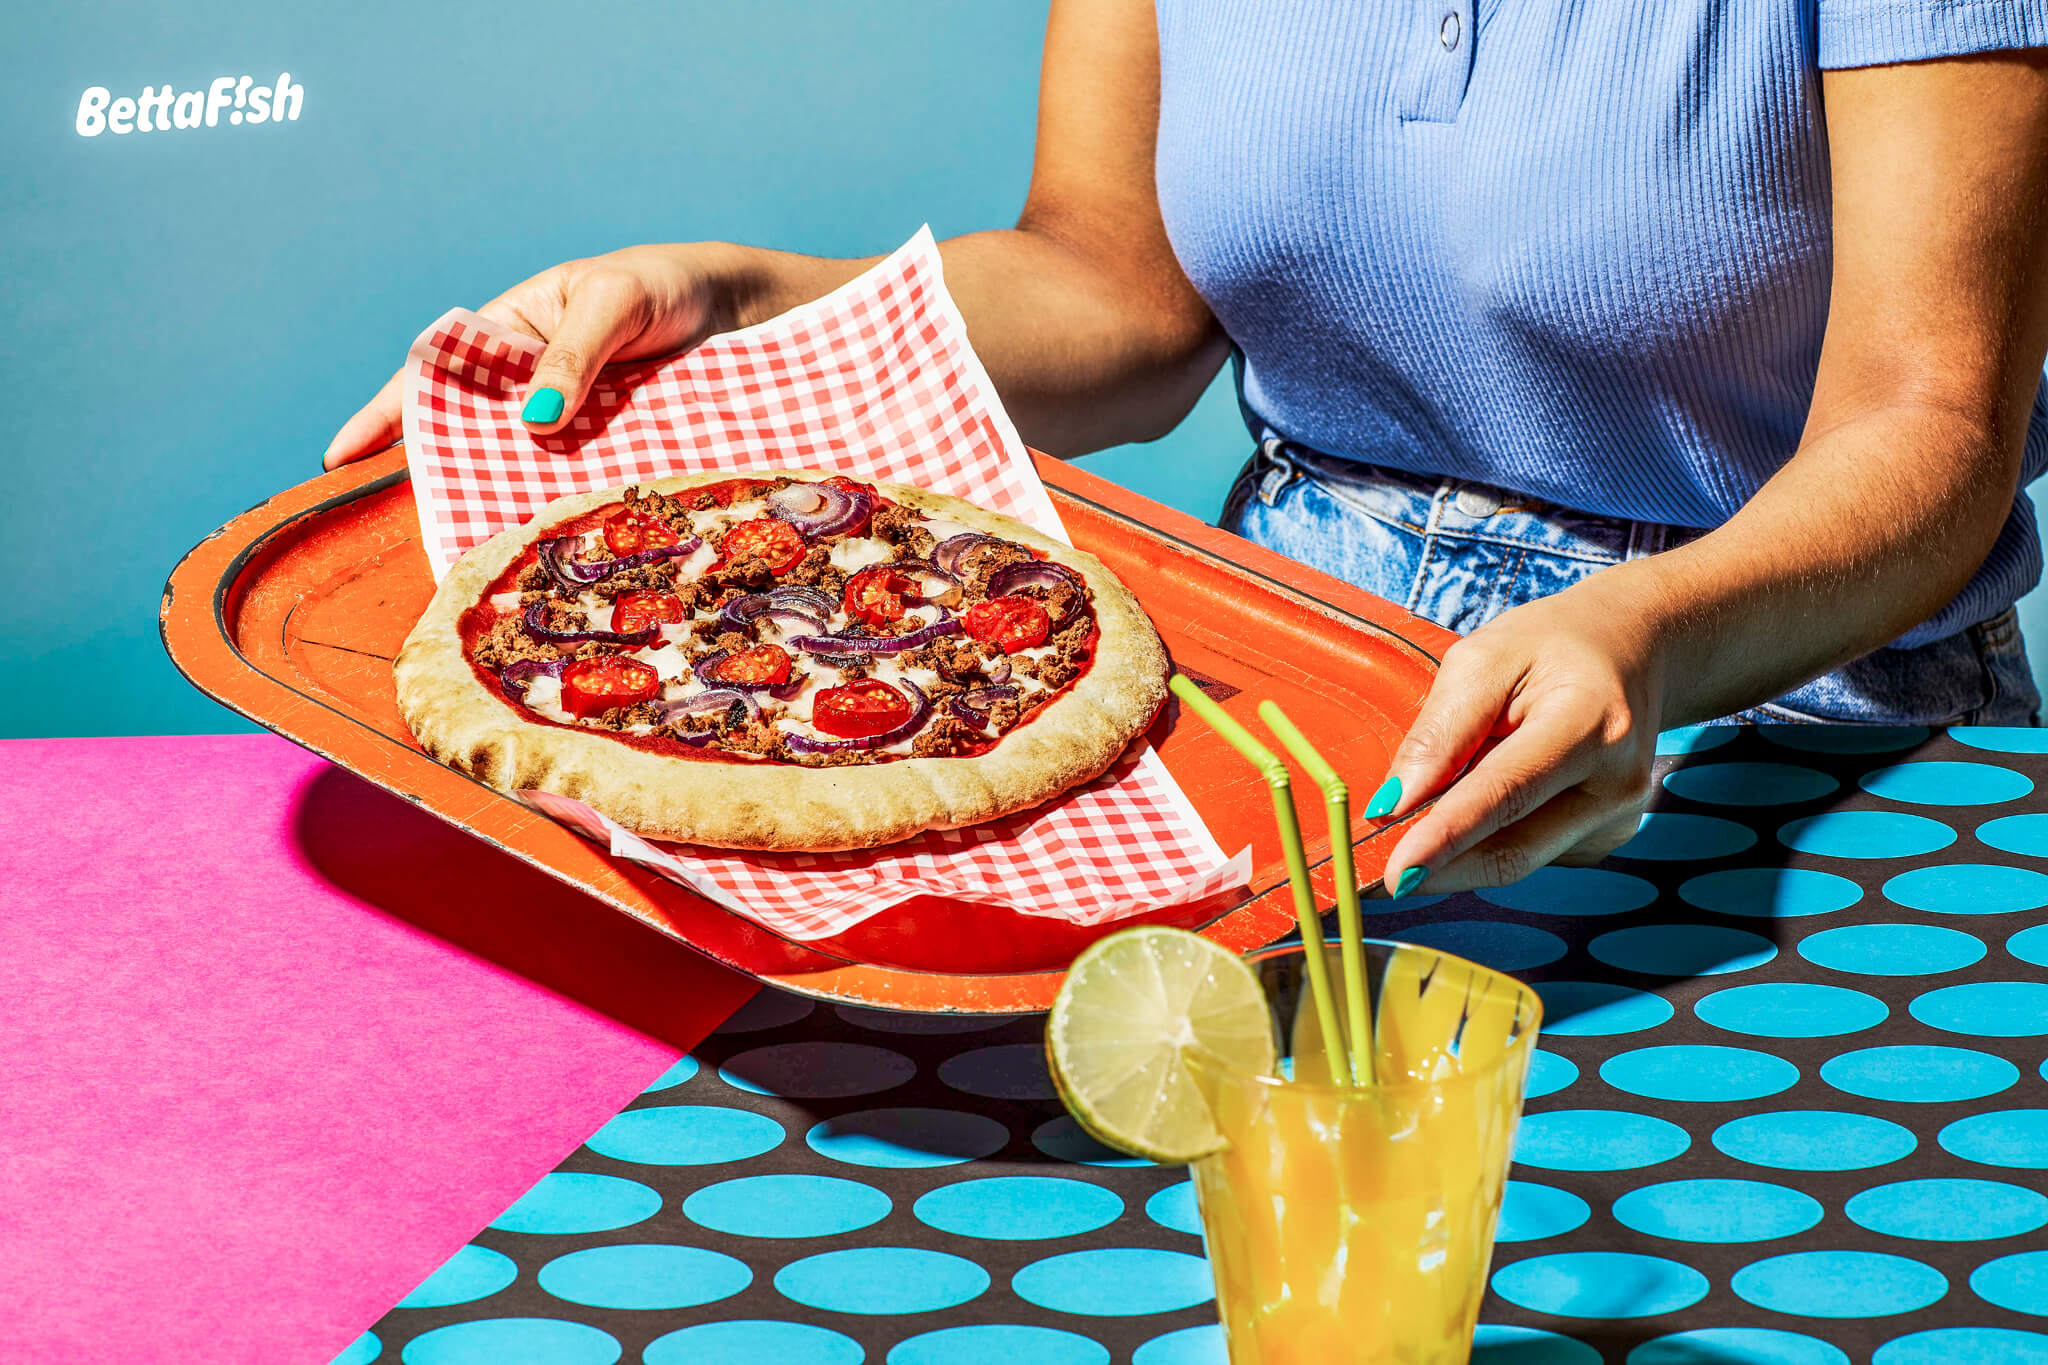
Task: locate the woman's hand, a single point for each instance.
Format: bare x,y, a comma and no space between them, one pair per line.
643,301
1561,700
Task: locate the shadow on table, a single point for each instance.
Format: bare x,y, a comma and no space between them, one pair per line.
389,853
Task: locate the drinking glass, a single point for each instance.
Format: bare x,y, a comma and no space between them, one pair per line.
1354,1223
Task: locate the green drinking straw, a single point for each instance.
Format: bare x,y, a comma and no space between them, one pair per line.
1277,778
1351,933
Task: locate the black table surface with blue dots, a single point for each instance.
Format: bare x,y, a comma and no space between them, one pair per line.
1791,1108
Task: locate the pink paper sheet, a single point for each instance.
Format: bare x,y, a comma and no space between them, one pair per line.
253,1092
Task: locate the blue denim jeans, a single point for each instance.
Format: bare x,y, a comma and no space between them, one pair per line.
1461,553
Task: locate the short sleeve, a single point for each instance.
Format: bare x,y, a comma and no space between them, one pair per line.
1880,32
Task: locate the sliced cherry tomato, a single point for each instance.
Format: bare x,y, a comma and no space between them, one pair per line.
761,666
858,709
593,686
874,596
636,611
631,531
763,538
1009,623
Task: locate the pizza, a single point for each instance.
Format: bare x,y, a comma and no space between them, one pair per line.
781,661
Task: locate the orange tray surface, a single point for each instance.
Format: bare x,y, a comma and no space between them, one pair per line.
292,613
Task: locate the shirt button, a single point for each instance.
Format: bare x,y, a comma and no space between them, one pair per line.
1448,33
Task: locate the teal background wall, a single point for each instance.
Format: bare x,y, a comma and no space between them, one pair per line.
191,313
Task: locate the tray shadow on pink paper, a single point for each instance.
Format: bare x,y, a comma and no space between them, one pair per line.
390,854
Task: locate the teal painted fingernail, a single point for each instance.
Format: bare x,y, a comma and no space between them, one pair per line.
542,407
1409,880
1384,800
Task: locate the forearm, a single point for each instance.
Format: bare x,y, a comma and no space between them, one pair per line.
1874,526
1083,355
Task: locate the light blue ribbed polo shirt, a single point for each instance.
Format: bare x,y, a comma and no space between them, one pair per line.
1575,248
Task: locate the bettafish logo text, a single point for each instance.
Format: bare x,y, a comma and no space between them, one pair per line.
231,100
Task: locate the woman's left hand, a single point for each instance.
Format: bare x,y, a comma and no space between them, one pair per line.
1561,700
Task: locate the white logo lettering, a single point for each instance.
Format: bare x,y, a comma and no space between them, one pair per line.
161,109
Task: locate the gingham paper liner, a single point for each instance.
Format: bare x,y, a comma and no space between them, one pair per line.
875,380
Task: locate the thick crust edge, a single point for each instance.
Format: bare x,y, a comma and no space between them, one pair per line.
780,807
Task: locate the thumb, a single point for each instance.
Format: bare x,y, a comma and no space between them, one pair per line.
600,313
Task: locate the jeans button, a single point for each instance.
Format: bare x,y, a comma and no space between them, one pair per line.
1477,502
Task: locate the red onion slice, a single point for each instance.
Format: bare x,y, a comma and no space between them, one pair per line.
1036,573
920,712
999,671
954,548
819,509
940,587
720,698
536,626
874,644
573,576
515,677
808,600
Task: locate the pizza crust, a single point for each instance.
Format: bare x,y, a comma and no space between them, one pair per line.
775,806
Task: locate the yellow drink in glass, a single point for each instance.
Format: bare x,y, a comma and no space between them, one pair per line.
1355,1224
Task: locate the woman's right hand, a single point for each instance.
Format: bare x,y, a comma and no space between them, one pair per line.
625,305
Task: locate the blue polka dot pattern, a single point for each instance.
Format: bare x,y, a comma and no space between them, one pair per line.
1844,739
1717,1211
1495,1344
750,1341
1969,889
1667,837
882,1280
1866,834
1189,1346
787,1206
1948,1210
1839,1284
684,1068
1174,1207
1504,947
1965,1346
361,1351
644,1276
907,1138
1815,1140
2002,739
812,1071
1916,1074
1790,1107
2016,1138
1014,1071
1530,1212
506,1341
686,1135
1737,1346
1597,1140
2022,834
1749,784
1695,739
2018,1282
472,1273
995,1344
1791,1009
1600,1284
1683,949
1770,892
1574,891
1987,1009
564,1202
1598,1009
1947,784
1115,1283
1019,1208
1891,949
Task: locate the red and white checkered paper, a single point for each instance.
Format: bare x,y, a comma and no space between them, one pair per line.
875,381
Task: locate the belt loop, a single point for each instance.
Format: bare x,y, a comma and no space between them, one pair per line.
1277,471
